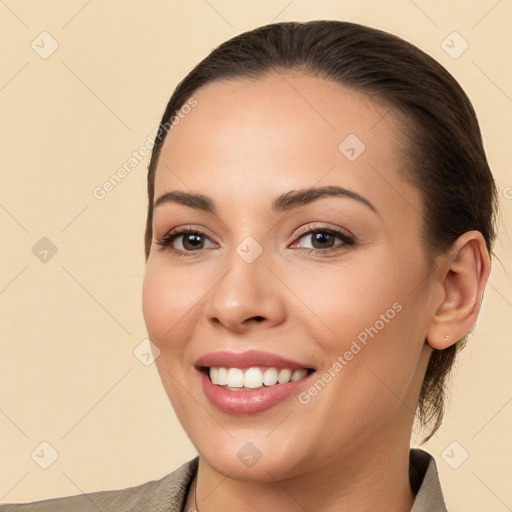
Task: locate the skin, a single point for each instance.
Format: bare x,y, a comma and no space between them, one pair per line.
244,143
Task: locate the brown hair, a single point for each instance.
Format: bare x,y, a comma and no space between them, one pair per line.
445,148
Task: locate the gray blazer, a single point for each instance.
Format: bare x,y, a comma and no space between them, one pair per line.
170,492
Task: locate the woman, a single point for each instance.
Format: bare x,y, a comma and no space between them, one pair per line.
319,230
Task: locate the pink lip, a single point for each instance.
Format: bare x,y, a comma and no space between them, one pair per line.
249,402
247,359
253,401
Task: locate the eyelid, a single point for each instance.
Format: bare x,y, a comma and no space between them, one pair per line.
187,228
318,226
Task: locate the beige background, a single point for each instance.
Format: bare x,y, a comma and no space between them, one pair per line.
70,325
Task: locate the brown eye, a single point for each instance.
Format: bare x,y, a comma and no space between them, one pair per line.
184,241
192,241
324,239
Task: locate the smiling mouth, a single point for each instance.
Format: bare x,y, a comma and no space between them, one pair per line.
248,379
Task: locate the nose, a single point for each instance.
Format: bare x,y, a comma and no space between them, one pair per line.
248,296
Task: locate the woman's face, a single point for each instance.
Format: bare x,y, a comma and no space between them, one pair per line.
328,288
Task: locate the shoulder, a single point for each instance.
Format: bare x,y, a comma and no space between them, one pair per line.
164,495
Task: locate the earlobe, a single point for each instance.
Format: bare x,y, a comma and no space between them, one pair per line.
463,274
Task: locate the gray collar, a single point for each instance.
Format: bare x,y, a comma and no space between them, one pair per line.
429,497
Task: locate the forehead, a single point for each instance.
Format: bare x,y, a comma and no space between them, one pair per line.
282,131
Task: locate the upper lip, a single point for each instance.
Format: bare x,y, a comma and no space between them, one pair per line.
247,359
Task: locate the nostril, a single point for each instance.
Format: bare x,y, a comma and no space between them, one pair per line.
259,318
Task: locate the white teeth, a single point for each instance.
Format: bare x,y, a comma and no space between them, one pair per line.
235,378
270,377
214,375
222,377
254,378
298,374
284,376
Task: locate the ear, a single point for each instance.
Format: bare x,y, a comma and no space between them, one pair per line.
462,275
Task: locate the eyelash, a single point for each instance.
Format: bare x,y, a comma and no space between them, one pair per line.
166,240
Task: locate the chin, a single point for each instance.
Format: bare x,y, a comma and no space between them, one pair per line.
269,468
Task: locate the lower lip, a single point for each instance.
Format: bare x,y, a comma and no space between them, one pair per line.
249,402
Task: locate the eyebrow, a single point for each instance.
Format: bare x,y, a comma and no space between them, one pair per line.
282,203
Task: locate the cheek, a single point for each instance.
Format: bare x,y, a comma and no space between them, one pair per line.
167,300
366,314
345,299
155,305
166,304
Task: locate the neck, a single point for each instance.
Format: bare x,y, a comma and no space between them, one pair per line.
374,479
